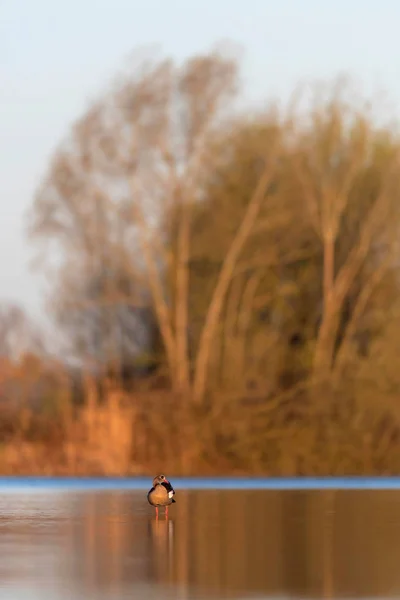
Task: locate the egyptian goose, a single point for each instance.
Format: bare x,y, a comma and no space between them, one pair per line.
161,494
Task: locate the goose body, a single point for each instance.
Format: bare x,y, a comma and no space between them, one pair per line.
161,494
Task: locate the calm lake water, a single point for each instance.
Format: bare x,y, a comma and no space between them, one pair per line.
99,539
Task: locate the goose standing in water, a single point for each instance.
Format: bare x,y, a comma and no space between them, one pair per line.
161,494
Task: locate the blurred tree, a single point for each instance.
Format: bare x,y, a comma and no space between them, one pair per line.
254,318
136,157
323,254
253,248
348,180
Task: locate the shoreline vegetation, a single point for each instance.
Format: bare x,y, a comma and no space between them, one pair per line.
224,282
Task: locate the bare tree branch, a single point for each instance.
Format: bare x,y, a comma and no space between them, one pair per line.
225,276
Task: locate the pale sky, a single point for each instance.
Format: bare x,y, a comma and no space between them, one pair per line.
55,56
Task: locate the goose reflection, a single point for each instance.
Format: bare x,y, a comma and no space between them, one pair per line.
162,546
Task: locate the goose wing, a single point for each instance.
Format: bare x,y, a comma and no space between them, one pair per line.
169,488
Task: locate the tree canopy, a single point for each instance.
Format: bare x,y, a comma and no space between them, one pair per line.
251,253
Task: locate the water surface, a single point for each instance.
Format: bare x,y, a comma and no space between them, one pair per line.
99,539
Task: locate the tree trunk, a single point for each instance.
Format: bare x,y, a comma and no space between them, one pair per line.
182,302
222,285
323,357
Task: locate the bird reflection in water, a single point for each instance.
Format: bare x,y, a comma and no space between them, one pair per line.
162,542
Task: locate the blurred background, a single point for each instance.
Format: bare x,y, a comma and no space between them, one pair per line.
199,237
